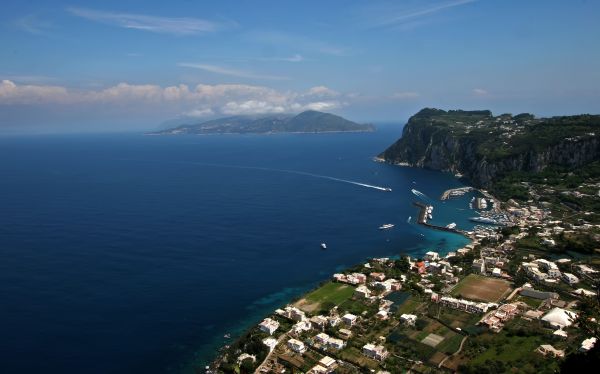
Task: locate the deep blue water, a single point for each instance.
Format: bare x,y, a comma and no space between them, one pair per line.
130,253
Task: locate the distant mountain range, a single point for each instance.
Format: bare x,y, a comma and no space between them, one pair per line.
310,121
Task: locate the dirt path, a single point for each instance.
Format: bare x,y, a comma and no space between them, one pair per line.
455,353
283,336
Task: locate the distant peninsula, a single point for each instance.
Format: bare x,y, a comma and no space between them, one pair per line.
310,121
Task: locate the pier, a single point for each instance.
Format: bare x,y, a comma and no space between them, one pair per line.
455,192
422,220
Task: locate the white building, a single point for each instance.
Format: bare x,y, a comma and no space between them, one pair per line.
377,352
409,319
584,269
478,266
322,338
269,326
349,319
336,343
319,322
570,279
549,350
345,333
559,318
588,344
431,256
292,313
362,292
271,343
296,346
302,326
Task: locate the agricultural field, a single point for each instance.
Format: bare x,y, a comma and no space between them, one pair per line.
477,287
456,318
409,305
325,297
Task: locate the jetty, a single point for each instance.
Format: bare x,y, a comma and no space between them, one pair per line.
422,220
455,192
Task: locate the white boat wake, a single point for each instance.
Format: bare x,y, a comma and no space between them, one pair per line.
421,195
297,172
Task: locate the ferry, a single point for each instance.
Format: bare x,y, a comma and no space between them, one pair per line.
451,225
386,226
323,246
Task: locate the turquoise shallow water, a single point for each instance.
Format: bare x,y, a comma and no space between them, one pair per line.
129,253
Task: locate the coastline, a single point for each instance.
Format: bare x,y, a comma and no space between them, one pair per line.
267,133
210,367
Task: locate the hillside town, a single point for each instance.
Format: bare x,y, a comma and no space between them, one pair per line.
454,312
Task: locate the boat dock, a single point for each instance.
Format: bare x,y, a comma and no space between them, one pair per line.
455,192
422,220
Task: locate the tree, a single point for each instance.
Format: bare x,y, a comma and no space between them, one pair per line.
402,264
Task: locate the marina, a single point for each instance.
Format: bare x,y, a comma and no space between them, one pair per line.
425,212
455,192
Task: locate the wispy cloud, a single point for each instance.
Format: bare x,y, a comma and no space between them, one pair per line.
32,24
199,101
480,92
231,72
393,16
295,58
163,25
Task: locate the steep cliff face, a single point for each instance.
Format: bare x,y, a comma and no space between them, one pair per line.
483,148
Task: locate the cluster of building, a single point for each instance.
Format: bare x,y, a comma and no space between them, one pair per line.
325,340
493,260
462,304
548,272
496,319
324,366
354,278
292,313
380,287
433,264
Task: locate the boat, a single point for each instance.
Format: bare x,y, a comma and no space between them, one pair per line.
451,225
482,203
323,246
409,218
387,189
487,220
386,226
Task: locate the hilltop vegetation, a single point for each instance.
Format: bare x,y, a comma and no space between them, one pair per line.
499,152
306,122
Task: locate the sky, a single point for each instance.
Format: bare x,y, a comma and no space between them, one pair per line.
96,66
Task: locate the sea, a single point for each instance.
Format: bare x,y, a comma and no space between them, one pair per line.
126,253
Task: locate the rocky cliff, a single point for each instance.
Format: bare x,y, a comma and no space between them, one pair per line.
484,148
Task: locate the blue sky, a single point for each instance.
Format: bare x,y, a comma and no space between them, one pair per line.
129,65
